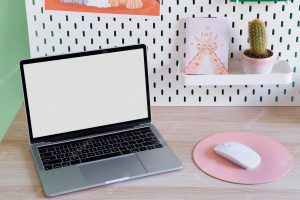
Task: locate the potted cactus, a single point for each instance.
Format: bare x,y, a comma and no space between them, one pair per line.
258,59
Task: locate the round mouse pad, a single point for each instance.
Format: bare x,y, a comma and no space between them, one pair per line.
276,161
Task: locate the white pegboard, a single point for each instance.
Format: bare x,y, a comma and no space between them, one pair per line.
57,32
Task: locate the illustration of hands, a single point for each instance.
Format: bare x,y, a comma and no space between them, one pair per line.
114,3
206,45
133,4
130,4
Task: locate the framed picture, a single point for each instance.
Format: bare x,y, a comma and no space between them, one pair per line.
125,7
207,46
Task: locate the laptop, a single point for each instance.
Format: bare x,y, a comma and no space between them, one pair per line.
89,119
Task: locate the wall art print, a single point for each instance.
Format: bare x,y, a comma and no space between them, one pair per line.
207,46
124,7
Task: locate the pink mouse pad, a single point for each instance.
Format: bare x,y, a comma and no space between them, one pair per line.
276,161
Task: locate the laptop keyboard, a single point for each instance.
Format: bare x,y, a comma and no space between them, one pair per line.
97,148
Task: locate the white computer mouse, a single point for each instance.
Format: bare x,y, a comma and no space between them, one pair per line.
239,154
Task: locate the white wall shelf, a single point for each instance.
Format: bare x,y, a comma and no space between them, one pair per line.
281,74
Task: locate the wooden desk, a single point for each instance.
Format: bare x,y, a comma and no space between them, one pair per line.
182,127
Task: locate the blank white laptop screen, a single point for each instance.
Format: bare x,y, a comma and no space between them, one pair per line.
85,92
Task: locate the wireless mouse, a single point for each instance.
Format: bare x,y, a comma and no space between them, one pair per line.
239,154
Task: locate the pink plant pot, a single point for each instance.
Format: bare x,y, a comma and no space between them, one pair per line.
257,65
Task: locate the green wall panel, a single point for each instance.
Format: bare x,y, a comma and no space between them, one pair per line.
14,46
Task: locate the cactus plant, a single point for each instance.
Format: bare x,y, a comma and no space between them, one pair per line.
258,59
258,38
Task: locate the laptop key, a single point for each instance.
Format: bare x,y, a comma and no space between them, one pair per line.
93,141
74,162
68,154
65,164
42,150
110,155
77,144
73,145
47,159
112,141
143,149
82,156
100,148
138,145
65,151
46,154
148,139
52,162
48,167
158,146
73,149
124,144
116,145
149,143
140,141
99,153
106,151
126,152
56,152
149,147
60,156
75,158
50,149
134,150
85,151
130,134
115,150
66,159
120,140
91,154
55,166
96,145
123,148
146,130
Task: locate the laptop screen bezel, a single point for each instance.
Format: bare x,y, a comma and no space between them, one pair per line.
87,131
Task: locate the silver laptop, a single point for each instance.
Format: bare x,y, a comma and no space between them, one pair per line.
89,119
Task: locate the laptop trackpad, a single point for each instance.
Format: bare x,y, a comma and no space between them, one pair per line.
112,169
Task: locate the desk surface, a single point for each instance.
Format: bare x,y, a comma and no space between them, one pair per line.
182,127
